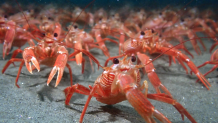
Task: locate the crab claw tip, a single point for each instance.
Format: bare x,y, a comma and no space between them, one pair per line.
35,63
56,84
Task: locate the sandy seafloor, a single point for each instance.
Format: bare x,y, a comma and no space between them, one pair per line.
34,101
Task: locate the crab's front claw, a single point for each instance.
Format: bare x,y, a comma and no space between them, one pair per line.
79,58
29,56
138,100
59,66
9,37
5,49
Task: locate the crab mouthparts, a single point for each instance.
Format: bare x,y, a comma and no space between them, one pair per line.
124,69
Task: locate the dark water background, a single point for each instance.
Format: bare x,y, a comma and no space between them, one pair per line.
146,4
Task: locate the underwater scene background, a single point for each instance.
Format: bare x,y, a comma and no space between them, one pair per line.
34,101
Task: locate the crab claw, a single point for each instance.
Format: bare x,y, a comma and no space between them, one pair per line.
29,56
34,62
9,37
59,66
5,49
53,72
78,56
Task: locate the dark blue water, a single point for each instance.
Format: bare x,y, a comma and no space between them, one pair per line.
147,4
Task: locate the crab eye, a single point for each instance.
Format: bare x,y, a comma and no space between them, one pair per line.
160,35
133,58
43,34
115,61
6,16
49,18
55,35
142,33
75,27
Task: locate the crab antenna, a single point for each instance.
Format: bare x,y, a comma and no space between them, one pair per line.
23,13
79,15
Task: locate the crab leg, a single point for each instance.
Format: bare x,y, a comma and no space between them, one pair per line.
16,52
121,41
87,103
83,63
191,35
86,53
182,46
12,61
167,99
101,43
71,74
213,46
90,60
214,58
108,39
69,91
183,58
18,73
209,62
205,28
193,41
